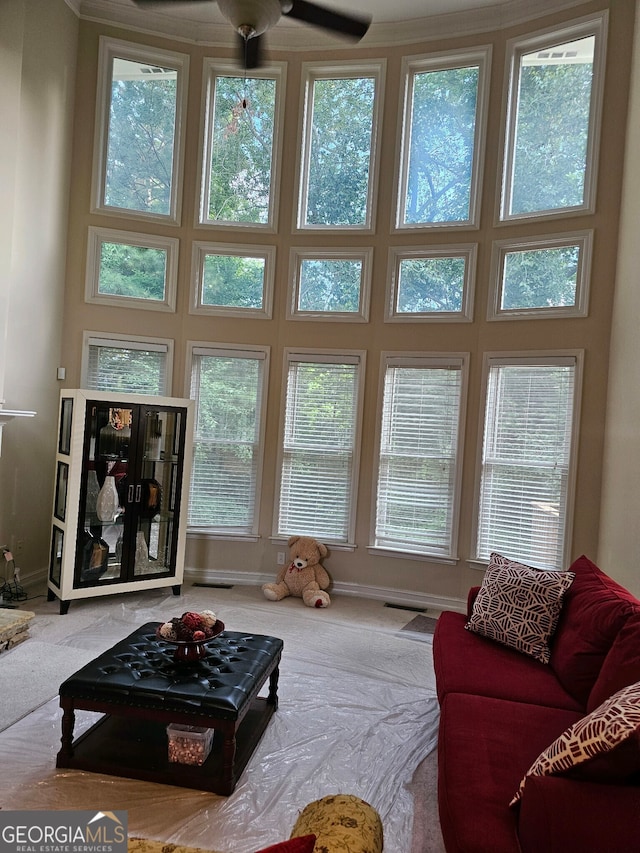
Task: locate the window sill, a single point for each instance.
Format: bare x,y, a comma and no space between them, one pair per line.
197,533
335,546
412,555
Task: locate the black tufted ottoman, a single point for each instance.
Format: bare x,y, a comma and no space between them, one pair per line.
140,689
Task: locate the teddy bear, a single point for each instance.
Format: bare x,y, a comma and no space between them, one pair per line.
303,577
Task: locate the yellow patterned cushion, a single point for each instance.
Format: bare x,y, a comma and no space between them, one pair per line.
143,845
343,824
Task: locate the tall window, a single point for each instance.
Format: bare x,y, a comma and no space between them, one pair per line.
528,458
553,118
141,99
443,128
241,151
418,488
319,454
342,109
128,364
228,385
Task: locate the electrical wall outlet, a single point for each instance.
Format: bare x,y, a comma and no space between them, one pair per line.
281,558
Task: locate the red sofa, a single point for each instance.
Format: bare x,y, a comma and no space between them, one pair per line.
499,709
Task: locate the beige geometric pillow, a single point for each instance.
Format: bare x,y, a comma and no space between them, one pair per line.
519,606
599,732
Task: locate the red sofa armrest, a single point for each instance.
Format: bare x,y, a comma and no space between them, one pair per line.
471,597
560,815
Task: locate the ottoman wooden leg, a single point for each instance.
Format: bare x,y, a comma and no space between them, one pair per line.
228,762
68,723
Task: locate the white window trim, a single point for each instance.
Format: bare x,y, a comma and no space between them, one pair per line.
298,255
139,342
109,49
200,251
593,25
330,356
98,236
312,71
411,65
213,68
458,360
221,350
501,248
574,357
469,251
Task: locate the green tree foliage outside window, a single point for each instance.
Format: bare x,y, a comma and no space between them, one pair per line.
430,285
550,154
330,285
141,138
443,120
133,271
340,151
242,149
540,278
233,282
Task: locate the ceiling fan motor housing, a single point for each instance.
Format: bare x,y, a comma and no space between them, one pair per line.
254,16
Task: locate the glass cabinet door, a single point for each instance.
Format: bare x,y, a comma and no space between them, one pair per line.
103,489
156,490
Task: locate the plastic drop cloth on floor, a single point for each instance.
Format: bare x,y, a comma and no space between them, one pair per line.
357,713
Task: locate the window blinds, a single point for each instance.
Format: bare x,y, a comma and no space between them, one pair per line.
228,392
127,368
418,457
525,461
320,429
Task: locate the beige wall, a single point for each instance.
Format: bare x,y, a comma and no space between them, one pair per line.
619,547
38,41
416,580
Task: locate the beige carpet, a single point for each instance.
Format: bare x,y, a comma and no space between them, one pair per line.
31,674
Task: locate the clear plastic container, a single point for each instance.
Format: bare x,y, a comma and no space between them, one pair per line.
189,744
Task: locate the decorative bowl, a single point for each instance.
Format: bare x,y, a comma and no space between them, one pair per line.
190,651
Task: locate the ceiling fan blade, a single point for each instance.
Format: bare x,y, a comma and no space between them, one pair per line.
250,52
164,2
320,16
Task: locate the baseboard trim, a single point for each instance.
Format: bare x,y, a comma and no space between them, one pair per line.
403,597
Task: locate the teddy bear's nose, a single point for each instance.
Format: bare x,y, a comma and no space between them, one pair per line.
299,564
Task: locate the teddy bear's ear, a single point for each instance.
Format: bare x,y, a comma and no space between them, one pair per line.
323,549
292,540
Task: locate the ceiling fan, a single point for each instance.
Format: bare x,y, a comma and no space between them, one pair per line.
252,18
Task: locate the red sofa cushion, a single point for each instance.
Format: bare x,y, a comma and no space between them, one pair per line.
468,663
621,666
560,816
484,747
302,844
594,612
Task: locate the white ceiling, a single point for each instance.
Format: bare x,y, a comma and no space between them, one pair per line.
393,21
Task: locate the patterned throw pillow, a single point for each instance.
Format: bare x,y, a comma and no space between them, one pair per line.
593,736
519,606
342,822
